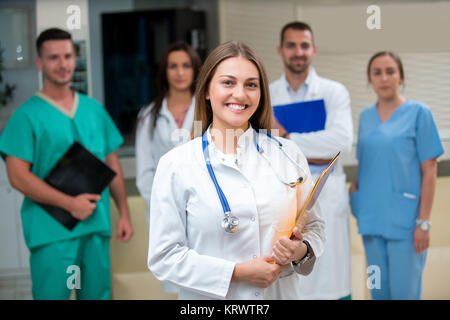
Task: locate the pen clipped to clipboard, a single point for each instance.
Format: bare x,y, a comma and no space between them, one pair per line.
314,194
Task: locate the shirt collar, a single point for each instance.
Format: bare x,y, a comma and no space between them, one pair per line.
306,84
245,140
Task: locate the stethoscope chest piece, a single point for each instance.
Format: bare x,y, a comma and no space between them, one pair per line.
230,223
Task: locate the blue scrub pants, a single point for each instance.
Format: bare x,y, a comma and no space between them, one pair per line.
81,264
400,268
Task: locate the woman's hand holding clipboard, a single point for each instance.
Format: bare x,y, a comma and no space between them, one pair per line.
311,200
302,218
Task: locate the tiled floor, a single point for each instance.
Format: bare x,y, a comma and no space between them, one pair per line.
15,288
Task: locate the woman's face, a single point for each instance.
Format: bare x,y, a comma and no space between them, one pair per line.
180,72
385,77
234,92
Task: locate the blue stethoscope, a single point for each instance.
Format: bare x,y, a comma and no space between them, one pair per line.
230,222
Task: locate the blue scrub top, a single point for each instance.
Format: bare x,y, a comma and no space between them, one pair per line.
389,173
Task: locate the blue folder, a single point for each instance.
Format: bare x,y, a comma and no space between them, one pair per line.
301,117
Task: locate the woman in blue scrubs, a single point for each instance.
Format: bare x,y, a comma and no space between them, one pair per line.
398,144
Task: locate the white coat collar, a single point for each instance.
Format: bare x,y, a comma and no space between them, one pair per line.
165,110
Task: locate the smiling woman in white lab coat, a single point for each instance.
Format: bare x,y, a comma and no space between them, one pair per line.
221,209
172,110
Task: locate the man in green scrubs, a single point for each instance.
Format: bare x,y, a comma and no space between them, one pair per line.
34,139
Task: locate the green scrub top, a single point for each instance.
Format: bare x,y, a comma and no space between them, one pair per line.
40,131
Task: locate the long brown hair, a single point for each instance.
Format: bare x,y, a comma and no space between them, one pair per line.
161,76
262,117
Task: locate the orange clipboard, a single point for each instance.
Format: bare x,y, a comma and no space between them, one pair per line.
311,200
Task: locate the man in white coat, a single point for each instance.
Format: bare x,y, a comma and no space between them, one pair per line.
330,278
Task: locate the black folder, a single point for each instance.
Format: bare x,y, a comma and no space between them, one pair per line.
77,171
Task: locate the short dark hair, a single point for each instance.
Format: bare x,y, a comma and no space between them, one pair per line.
51,34
393,56
296,25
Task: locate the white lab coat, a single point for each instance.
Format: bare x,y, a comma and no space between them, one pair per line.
166,136
187,244
331,276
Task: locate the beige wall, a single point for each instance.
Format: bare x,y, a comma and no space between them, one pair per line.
417,30
406,26
53,13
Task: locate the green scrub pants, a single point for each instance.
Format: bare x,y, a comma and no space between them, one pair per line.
81,264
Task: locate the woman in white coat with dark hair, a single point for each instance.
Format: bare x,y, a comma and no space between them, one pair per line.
224,204
167,121
162,123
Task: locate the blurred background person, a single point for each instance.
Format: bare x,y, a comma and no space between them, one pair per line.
172,109
300,83
35,138
398,144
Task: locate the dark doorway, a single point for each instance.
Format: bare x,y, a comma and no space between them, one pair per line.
133,43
